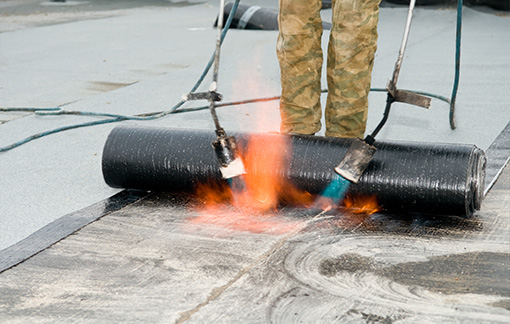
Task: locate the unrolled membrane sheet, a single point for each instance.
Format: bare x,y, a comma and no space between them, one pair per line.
406,177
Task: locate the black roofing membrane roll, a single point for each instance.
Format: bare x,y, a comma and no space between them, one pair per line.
431,178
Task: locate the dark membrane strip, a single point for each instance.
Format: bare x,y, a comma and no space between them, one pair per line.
63,227
498,156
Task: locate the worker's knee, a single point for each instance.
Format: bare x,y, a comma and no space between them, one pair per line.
347,119
300,119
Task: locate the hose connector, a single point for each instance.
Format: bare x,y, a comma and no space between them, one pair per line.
227,154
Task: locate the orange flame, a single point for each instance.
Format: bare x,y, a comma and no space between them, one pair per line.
362,205
265,188
355,211
214,194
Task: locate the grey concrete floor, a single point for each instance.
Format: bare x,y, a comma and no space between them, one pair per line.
131,58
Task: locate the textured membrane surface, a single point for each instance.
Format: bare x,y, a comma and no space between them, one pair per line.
405,176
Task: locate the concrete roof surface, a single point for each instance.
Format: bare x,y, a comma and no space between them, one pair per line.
131,59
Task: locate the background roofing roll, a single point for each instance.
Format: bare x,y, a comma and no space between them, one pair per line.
431,178
256,17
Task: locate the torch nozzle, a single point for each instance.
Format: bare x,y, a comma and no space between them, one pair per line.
356,160
225,148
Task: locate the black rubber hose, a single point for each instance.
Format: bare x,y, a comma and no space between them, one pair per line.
433,178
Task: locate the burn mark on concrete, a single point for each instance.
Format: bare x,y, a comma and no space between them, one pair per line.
183,3
466,273
415,224
504,303
350,262
173,66
104,86
373,318
475,272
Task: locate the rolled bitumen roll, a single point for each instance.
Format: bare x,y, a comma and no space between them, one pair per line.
429,178
255,17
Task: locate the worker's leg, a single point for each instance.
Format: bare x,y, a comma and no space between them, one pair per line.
351,51
300,56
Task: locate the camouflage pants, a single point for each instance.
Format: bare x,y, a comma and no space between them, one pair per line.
351,50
